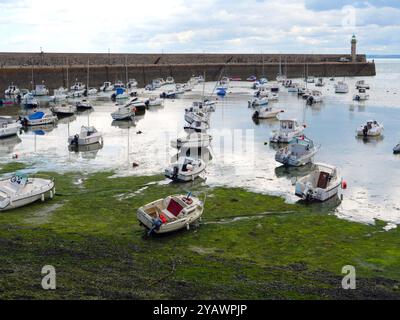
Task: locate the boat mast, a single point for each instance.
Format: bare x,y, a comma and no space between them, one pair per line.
126,70
204,84
67,75
88,70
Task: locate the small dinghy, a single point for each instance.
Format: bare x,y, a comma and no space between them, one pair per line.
321,184
64,110
361,95
38,118
396,149
288,130
124,113
192,140
21,190
255,102
266,113
371,129
170,214
83,105
185,169
8,127
88,135
298,153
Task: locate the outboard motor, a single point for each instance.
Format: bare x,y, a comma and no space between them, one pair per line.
310,100
365,131
19,98
75,140
85,93
147,102
256,114
114,97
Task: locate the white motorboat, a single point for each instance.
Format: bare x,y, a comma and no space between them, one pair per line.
314,97
40,90
320,82
12,90
124,113
310,79
371,129
88,135
299,152
169,80
107,87
8,127
119,93
205,106
341,87
223,83
321,184
21,190
29,101
38,118
64,110
83,105
118,84
78,86
132,84
138,104
266,112
157,83
255,102
361,84
197,126
185,169
170,214
396,149
301,90
154,101
267,93
192,140
361,95
191,116
289,129
294,88
60,94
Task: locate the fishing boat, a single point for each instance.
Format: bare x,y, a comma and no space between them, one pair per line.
371,129
256,102
288,130
38,118
341,87
40,90
124,113
170,214
83,105
361,95
8,127
314,97
320,82
21,190
266,112
64,110
29,101
107,87
185,169
299,152
396,149
88,135
192,140
12,90
361,84
321,184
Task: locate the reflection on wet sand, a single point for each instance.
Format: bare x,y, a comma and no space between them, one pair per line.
7,145
86,151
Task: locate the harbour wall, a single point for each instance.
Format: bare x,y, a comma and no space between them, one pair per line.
57,70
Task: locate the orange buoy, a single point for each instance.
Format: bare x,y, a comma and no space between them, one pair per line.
344,185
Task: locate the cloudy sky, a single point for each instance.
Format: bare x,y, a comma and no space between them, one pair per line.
271,26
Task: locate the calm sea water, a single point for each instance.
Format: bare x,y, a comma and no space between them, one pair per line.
241,158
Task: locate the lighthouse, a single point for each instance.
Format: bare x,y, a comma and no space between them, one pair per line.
353,48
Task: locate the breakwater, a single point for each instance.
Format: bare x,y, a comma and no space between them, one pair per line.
56,69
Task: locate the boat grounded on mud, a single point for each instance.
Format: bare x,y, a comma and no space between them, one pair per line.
321,184
185,169
87,136
20,190
266,112
170,214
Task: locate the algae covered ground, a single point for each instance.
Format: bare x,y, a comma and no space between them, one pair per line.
248,246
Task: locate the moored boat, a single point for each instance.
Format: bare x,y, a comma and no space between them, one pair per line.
185,169
370,129
288,130
88,135
299,152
